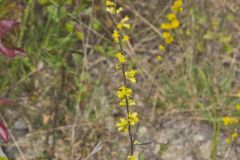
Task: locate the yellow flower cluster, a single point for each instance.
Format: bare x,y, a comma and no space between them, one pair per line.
131,75
230,120
116,36
125,96
131,120
124,93
124,23
177,6
171,24
111,8
121,58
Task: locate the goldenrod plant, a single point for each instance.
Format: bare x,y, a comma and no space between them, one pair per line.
124,93
171,24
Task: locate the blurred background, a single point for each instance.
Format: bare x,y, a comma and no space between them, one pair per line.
65,85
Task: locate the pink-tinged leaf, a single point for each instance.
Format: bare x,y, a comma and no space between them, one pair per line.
4,132
7,102
10,52
7,26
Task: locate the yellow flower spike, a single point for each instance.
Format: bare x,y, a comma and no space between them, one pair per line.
130,75
230,120
234,135
122,125
133,118
162,48
124,92
171,16
131,158
125,38
237,107
116,36
121,58
109,3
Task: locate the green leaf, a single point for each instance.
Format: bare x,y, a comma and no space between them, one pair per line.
228,49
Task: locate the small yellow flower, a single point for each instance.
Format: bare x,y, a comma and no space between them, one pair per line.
133,118
121,58
175,24
116,36
237,106
159,58
124,92
234,135
122,125
230,120
119,10
228,140
123,23
109,3
177,6
169,40
171,16
130,75
125,38
131,102
166,26
110,10
162,48
131,158
119,26
166,35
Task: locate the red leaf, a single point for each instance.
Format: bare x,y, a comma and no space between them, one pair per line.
3,132
7,26
7,102
10,52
